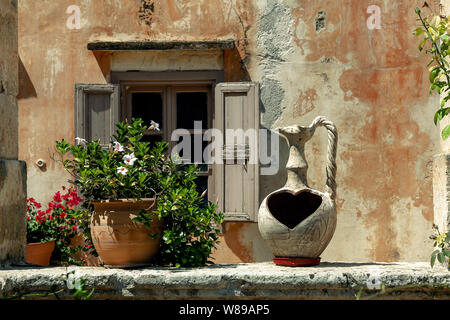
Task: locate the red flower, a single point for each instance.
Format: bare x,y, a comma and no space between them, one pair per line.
34,203
57,197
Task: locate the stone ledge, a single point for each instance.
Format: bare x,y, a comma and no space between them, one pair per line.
241,281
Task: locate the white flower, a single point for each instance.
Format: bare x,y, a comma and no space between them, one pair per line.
80,141
154,126
129,159
374,281
122,170
117,147
73,278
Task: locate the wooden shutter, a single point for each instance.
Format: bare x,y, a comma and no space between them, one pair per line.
237,184
96,111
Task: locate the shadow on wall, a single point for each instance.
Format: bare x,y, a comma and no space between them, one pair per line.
243,238
104,62
269,183
26,87
235,66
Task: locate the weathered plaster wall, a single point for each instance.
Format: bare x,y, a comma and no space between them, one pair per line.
311,58
12,171
173,60
373,85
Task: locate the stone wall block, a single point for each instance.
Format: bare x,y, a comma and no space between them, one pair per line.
9,134
9,63
12,211
9,80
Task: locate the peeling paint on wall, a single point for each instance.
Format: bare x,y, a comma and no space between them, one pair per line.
54,67
320,20
146,10
274,44
305,102
311,58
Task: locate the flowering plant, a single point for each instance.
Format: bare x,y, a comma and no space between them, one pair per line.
60,222
131,169
128,169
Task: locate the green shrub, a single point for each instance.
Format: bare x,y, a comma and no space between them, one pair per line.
131,169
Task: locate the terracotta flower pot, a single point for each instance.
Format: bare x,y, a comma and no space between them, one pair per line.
119,241
39,252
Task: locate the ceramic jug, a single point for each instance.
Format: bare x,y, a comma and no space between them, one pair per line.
297,222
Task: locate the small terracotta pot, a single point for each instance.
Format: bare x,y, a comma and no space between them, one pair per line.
119,241
39,253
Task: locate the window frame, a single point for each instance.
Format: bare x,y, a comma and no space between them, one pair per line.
170,82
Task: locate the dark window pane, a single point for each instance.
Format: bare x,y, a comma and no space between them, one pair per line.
203,167
202,185
192,106
148,106
184,143
152,139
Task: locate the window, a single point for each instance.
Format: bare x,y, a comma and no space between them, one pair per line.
175,100
173,107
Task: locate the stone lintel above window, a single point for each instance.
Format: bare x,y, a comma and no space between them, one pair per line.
160,45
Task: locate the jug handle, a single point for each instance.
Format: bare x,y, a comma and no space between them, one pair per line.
330,185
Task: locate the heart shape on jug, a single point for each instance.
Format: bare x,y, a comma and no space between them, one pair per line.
292,208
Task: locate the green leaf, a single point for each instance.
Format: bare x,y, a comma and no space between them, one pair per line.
422,44
441,257
418,32
446,252
440,114
434,73
446,132
433,258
